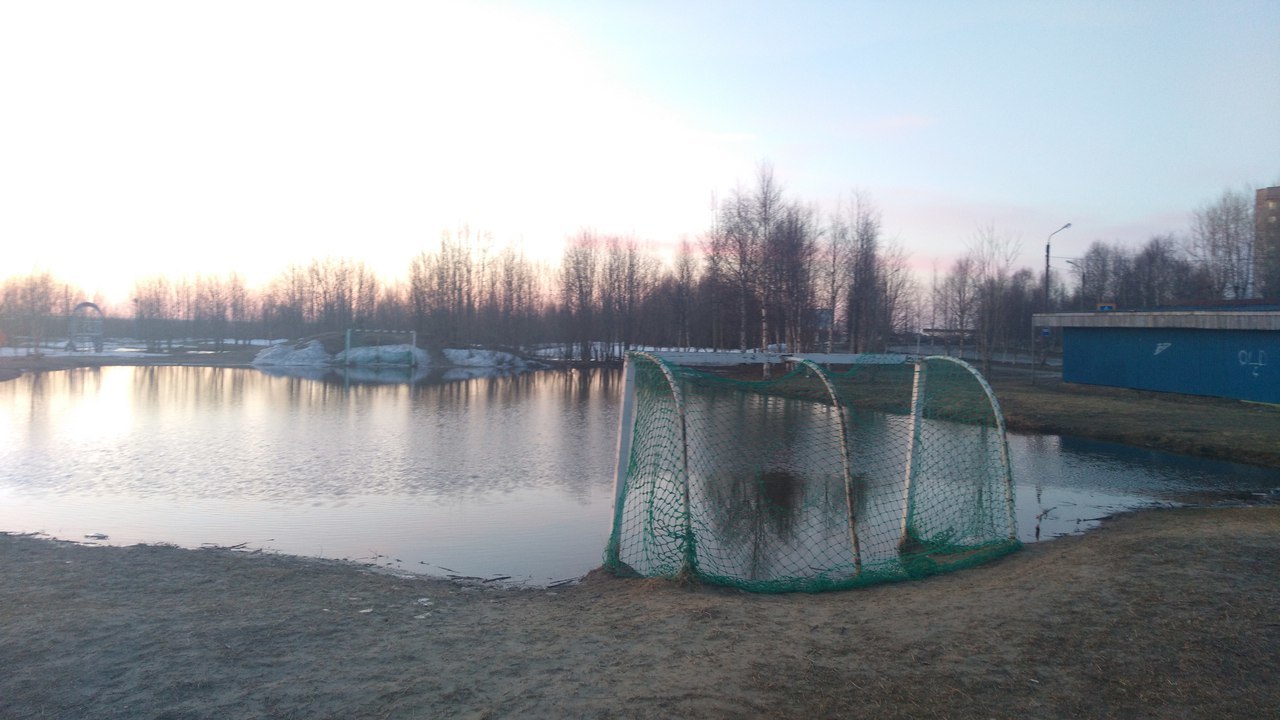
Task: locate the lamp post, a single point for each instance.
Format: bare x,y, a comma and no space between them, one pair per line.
1046,304
1046,265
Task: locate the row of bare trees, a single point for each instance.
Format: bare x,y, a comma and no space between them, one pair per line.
1158,273
769,272
806,281
35,306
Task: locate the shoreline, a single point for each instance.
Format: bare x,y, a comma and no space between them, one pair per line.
13,367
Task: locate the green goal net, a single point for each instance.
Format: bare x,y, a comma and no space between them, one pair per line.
813,481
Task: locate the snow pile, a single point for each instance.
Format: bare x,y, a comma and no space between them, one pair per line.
311,354
384,355
468,363
483,358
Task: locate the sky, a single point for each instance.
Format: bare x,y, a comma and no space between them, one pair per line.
176,138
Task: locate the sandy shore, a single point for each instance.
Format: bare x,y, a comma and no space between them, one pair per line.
1161,614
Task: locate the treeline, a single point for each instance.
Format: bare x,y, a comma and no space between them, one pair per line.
771,271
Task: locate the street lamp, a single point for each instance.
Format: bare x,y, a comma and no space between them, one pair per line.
1046,264
1046,304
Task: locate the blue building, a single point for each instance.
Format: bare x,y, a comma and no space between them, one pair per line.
1233,353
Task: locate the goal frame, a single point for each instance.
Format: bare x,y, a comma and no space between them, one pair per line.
813,362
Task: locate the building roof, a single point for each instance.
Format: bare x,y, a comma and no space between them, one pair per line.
1220,319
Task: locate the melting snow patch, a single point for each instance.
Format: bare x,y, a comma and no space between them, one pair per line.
384,355
311,354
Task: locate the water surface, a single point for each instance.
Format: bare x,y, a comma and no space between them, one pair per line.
480,477
492,477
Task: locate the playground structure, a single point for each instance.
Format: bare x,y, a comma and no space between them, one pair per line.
892,469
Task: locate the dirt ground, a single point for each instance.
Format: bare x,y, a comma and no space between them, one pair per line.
1162,614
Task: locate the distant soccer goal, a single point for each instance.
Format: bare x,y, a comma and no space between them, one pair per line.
84,328
380,347
816,480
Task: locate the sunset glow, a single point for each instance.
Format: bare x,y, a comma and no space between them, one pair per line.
147,138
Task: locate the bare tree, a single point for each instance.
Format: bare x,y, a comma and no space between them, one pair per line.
30,303
611,290
1223,241
288,304
153,310
635,276
865,314
241,307
455,284
716,288
991,255
578,275
958,290
1159,273
518,296
899,290
1102,272
791,250
836,259
422,298
210,308
685,277
766,208
182,304
734,247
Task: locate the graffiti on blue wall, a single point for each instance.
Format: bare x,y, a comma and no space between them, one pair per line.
1253,359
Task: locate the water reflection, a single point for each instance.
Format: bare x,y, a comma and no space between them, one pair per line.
498,475
123,450
1068,484
763,474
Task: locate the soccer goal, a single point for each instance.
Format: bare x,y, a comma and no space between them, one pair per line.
891,469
